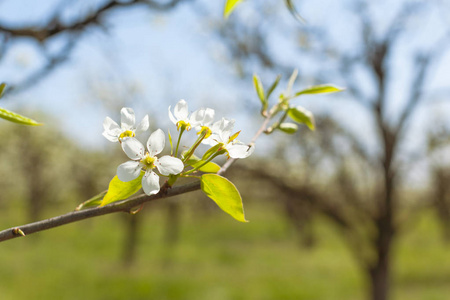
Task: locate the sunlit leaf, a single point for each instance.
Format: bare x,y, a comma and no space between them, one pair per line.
320,89
170,141
302,116
2,89
272,87
210,167
119,190
225,194
211,151
259,89
94,201
290,5
289,128
230,5
16,118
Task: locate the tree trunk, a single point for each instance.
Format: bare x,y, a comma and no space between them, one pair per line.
131,240
380,271
172,224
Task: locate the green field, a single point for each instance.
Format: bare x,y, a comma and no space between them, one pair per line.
215,258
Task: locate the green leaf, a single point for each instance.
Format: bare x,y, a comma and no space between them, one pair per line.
259,89
2,89
170,141
230,5
94,201
16,118
119,190
289,128
320,89
302,116
211,151
290,5
225,194
210,167
272,87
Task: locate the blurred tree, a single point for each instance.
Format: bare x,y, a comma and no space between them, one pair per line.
438,149
372,193
67,31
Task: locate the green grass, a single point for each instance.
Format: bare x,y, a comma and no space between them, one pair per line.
216,258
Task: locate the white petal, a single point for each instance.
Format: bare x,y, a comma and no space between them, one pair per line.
129,170
239,150
110,125
169,165
197,117
172,118
150,183
226,128
133,148
127,119
209,117
156,142
181,110
213,140
143,126
111,137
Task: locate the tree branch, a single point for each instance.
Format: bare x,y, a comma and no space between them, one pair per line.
73,31
120,206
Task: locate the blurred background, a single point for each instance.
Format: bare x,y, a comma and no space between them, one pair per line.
358,209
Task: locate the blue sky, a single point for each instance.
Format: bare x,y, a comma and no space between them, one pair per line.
149,60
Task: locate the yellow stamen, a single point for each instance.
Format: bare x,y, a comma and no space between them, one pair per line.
181,124
206,130
148,162
127,133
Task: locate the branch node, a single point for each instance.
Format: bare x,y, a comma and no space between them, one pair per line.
135,211
18,231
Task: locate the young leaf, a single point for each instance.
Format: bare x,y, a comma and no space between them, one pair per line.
119,190
319,89
230,5
225,194
16,118
2,89
293,10
210,167
259,89
211,151
170,141
289,128
94,201
272,87
302,116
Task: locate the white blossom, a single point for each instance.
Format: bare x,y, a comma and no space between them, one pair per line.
198,119
146,160
221,134
114,133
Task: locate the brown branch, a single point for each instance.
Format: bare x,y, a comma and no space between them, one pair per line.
55,26
121,206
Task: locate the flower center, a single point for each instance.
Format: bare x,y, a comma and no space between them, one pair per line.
148,162
127,133
206,131
184,125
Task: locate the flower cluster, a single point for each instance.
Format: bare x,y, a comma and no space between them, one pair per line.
144,160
